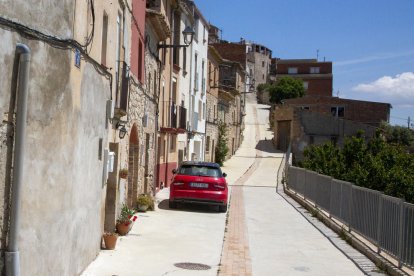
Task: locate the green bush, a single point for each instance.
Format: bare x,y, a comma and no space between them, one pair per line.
378,165
222,148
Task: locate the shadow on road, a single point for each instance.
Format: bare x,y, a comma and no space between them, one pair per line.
188,207
267,146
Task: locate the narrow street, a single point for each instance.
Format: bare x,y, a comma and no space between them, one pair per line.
265,233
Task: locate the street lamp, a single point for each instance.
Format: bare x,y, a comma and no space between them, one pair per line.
188,34
122,130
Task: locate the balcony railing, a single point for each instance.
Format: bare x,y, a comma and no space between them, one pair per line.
122,90
168,115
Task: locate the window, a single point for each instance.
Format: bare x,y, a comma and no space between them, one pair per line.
184,60
306,85
140,61
149,82
174,90
203,83
195,72
176,38
208,144
311,140
292,70
204,111
155,81
172,142
200,109
263,64
305,108
338,111
314,70
196,24
104,38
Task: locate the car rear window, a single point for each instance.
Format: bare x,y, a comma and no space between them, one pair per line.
200,171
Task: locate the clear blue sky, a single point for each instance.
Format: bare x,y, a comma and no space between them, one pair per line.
370,42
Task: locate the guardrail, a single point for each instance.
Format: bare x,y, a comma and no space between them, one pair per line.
386,221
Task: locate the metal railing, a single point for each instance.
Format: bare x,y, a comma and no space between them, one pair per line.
386,221
168,114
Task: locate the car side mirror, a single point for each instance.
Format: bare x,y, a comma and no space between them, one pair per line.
224,174
174,171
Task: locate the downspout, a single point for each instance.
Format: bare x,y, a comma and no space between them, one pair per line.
12,254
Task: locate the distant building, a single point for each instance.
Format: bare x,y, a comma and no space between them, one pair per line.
316,75
254,58
371,113
301,128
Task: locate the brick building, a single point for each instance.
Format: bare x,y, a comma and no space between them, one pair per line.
316,75
372,113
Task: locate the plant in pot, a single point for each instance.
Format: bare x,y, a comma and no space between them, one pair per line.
123,173
125,220
145,202
110,239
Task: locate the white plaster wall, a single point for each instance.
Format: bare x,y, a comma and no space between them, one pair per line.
199,47
63,189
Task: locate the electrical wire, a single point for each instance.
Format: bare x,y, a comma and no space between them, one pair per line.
60,43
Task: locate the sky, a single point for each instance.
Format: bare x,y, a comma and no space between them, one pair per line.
369,42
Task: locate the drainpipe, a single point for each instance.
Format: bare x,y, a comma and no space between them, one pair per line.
12,253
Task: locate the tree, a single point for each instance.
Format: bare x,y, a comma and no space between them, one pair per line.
399,135
376,164
222,148
286,88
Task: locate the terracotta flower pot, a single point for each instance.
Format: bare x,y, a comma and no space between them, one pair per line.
110,241
123,228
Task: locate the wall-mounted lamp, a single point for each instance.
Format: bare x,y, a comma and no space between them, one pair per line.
122,130
188,34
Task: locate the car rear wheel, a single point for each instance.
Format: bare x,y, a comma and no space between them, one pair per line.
172,204
223,208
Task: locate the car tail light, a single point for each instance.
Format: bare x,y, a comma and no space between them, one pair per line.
220,186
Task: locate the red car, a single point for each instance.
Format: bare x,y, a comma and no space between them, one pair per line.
199,182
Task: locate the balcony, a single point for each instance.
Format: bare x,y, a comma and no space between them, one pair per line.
173,118
122,90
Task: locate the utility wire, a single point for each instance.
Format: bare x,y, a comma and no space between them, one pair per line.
60,43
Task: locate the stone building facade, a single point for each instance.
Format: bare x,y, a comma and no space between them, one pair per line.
213,68
302,128
230,112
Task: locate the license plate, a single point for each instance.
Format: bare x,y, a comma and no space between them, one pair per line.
198,185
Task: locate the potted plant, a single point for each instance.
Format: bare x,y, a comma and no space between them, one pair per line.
125,220
123,173
110,239
145,202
